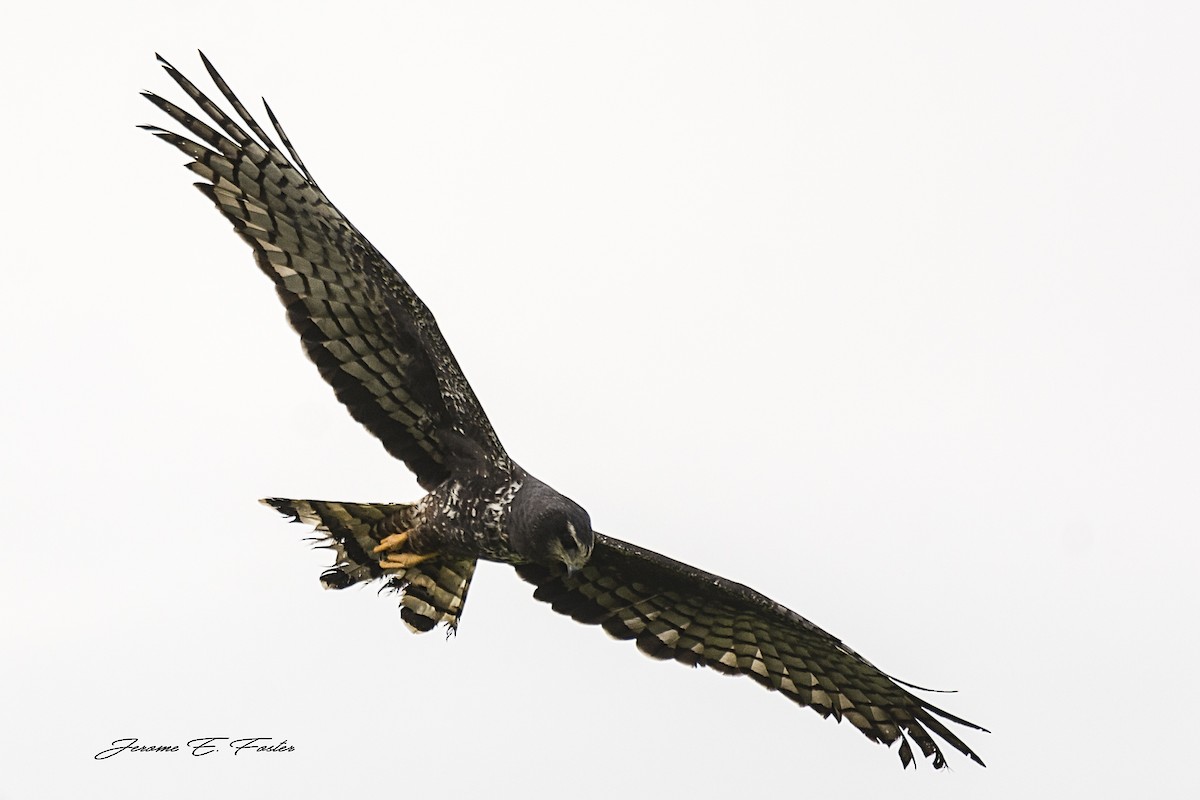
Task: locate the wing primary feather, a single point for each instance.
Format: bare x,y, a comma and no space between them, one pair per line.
283,137
231,128
233,101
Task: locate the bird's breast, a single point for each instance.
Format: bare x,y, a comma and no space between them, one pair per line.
468,517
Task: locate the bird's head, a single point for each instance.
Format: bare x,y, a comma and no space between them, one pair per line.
549,528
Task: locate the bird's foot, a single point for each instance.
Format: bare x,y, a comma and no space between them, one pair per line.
394,550
392,542
404,560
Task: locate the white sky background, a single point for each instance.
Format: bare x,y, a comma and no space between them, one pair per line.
889,311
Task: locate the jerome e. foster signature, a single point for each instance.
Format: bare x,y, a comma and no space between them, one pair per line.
202,746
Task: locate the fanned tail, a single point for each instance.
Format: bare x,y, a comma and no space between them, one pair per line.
430,592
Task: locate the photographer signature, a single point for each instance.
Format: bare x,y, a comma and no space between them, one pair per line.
203,746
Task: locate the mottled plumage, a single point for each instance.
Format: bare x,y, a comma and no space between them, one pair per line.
379,347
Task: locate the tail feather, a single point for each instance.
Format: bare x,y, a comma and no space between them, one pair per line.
431,592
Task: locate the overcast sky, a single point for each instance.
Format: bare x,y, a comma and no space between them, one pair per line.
890,311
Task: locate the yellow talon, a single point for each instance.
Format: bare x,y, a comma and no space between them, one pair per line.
405,560
392,541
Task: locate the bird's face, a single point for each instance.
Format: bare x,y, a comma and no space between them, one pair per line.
547,527
573,545
562,534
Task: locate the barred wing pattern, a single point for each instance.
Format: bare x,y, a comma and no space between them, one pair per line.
673,610
430,593
369,334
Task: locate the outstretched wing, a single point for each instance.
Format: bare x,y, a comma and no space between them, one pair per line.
676,611
369,334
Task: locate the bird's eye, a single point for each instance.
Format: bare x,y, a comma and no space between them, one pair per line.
567,540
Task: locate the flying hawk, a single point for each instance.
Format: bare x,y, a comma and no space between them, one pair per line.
379,347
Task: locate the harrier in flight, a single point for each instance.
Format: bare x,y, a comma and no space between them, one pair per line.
379,347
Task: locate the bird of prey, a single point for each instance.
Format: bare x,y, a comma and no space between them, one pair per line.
377,344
